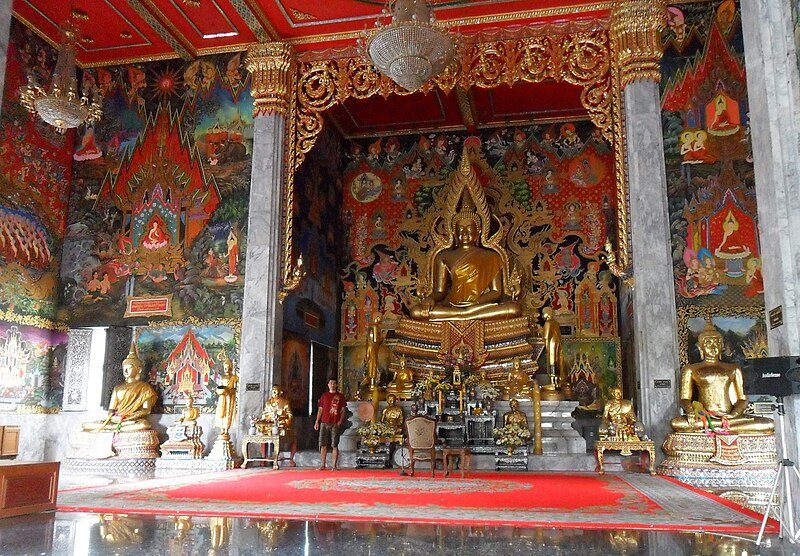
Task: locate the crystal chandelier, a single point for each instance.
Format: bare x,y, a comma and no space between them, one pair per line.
413,47
61,107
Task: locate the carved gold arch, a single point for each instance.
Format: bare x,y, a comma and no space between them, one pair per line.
582,58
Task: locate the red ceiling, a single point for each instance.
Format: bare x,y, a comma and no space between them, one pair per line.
127,31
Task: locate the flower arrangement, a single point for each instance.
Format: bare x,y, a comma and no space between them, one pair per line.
471,380
489,392
443,387
373,434
511,436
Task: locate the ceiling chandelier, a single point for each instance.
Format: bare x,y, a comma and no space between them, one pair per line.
61,107
413,47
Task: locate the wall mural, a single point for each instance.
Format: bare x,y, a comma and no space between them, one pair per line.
31,367
186,360
709,163
553,186
158,214
35,173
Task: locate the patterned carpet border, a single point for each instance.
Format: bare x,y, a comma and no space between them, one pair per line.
646,502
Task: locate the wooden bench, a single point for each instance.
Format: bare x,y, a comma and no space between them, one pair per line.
27,488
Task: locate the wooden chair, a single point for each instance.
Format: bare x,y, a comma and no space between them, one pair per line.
421,441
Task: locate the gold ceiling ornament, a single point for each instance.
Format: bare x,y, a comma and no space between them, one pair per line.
636,31
271,66
192,3
408,44
61,106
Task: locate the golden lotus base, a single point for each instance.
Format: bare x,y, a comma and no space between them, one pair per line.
491,345
743,460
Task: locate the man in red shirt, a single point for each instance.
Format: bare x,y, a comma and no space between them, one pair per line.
330,418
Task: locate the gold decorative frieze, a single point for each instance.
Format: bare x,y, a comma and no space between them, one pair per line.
636,35
271,67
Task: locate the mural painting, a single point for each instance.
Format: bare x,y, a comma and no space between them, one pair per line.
31,368
710,179
594,366
552,185
34,184
186,360
158,215
743,329
295,370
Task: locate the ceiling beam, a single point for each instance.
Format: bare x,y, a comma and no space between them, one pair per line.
169,36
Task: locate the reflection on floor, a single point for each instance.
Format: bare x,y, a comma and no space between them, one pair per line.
62,533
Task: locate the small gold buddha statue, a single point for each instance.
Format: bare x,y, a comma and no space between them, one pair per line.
402,384
394,416
277,412
190,413
518,383
514,416
619,420
721,401
131,402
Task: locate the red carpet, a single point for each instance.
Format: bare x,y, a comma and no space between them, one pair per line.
522,499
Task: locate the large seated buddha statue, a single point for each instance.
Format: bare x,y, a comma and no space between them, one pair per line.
720,402
716,443
469,283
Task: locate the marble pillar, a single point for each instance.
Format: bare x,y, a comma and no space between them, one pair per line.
262,317
773,84
271,68
655,341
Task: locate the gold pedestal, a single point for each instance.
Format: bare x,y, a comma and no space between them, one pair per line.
489,344
734,460
552,395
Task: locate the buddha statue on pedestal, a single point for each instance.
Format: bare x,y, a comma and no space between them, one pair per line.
515,416
619,420
190,413
277,414
394,416
721,401
131,401
551,333
402,384
518,383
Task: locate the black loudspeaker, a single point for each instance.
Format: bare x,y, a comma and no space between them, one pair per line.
773,376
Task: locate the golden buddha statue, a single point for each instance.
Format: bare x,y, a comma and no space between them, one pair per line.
518,383
190,413
277,411
721,400
226,398
467,279
551,334
131,402
402,384
619,420
514,416
393,415
374,340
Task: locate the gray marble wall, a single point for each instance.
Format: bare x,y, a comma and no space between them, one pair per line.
655,342
262,318
773,86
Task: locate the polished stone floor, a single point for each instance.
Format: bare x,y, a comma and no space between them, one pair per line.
62,533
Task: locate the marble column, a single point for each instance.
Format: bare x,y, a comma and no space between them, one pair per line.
636,26
262,317
5,27
773,85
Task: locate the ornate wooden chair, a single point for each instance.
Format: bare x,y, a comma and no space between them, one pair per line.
421,440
